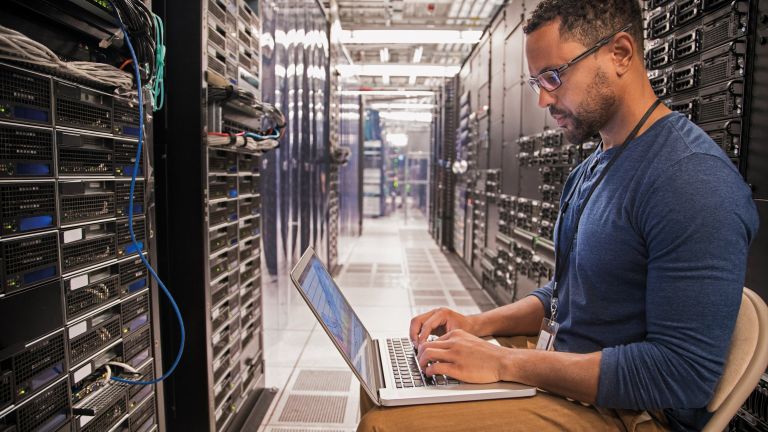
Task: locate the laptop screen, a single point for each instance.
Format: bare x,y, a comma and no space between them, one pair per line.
341,322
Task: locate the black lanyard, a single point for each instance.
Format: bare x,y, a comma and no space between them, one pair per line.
561,267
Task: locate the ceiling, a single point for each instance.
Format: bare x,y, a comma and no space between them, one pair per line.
411,15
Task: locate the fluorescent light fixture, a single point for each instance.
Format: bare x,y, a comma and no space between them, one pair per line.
404,93
384,55
405,70
397,139
410,36
385,79
402,106
405,116
417,53
412,80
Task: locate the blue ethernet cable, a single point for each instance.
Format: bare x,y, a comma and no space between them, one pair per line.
130,216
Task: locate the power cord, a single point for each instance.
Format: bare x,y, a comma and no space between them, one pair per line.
130,217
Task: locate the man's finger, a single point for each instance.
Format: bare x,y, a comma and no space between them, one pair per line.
436,320
449,369
435,355
416,324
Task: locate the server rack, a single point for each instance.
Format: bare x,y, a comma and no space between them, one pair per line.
68,306
210,217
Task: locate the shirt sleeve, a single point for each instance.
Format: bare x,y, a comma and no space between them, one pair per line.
544,294
697,221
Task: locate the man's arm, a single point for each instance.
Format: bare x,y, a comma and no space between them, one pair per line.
468,358
520,318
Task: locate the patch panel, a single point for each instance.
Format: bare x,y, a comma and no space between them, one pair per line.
109,405
83,201
28,261
83,154
25,151
82,108
27,207
24,96
91,290
90,376
87,245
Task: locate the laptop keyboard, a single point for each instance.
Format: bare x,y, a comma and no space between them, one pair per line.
406,368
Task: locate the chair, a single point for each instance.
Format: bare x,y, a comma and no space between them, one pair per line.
746,362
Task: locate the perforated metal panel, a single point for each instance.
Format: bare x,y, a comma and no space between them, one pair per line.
301,408
323,380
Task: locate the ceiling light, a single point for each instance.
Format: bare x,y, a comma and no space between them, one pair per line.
384,55
405,70
397,139
412,80
419,117
402,106
405,93
385,79
410,36
417,54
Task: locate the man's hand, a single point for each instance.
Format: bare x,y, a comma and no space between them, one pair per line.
464,357
439,322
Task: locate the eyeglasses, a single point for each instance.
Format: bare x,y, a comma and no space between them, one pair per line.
550,80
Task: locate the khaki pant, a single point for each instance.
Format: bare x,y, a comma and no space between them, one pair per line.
540,413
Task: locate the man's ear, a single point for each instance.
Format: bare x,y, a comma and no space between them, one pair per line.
622,53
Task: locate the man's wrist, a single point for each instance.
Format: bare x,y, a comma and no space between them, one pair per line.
479,325
509,368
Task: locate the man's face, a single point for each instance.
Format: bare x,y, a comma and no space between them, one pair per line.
585,100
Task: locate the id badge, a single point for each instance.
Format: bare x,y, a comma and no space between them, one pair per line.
547,335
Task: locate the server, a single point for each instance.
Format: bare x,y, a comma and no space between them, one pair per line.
210,212
77,306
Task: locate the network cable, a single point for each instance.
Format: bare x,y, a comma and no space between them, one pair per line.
130,216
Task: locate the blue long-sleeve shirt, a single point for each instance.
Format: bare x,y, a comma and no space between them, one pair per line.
656,272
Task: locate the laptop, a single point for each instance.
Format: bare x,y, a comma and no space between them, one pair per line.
387,369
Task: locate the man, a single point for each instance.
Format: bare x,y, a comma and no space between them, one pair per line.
652,246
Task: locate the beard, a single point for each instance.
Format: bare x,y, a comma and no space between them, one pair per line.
592,113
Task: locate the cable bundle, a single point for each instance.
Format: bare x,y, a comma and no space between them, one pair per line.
16,46
139,22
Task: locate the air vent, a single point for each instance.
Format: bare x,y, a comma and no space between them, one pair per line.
125,245
125,158
85,155
25,152
134,313
91,290
86,201
133,276
126,117
27,207
48,410
89,336
123,192
24,96
136,347
72,111
38,366
110,405
29,261
88,245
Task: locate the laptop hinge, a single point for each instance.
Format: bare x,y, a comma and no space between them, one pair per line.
379,368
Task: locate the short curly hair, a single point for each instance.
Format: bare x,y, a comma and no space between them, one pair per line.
589,21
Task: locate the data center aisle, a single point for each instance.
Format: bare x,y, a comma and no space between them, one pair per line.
395,270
